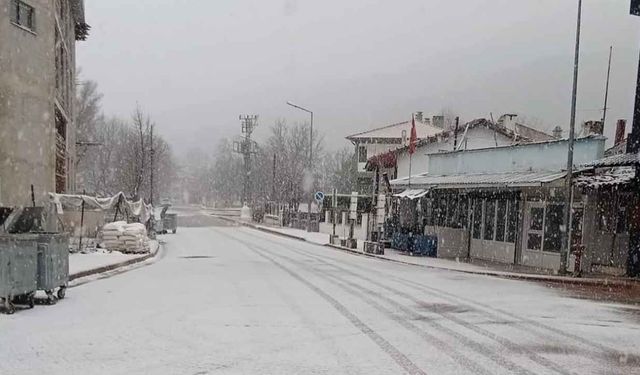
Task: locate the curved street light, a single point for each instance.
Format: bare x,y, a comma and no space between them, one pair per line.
310,158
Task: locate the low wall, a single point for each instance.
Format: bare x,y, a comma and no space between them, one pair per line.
452,243
496,251
342,230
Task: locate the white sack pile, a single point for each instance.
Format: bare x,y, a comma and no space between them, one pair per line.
126,238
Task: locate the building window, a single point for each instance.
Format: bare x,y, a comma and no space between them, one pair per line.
501,220
622,225
477,218
61,153
428,211
362,154
23,14
536,224
452,212
512,220
552,222
489,219
463,212
441,211
605,213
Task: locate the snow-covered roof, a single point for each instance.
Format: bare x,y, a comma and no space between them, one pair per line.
604,178
531,136
393,132
507,179
412,193
616,160
535,135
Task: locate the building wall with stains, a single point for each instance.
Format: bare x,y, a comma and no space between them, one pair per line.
29,101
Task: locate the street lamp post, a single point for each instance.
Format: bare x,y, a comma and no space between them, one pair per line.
309,168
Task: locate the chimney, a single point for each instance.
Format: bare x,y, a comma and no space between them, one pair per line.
557,132
508,120
418,116
438,121
592,127
621,126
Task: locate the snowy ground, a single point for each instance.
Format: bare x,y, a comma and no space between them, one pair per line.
232,300
84,262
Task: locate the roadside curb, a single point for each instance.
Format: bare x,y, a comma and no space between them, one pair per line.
114,266
263,229
505,275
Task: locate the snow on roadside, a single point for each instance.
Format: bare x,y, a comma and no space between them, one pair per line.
84,262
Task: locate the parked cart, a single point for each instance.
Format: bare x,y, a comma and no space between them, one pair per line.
53,264
167,222
18,267
170,222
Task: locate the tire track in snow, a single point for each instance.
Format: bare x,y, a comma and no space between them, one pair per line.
352,288
490,311
509,344
328,341
382,343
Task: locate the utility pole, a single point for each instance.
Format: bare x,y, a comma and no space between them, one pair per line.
566,234
633,145
246,147
152,151
606,90
273,180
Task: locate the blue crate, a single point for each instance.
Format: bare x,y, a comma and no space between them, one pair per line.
400,241
425,245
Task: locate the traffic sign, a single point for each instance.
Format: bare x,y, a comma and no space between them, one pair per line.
319,196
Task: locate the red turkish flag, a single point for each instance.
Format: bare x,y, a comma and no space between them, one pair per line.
414,137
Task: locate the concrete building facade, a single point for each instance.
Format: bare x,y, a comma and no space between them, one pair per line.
37,85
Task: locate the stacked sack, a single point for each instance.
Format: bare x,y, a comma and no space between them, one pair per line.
135,238
111,234
126,238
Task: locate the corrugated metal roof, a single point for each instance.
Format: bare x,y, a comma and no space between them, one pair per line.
412,193
509,179
611,177
616,160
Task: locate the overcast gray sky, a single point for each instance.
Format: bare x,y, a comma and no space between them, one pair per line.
195,65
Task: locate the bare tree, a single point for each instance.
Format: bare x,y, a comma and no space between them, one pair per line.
340,170
142,127
449,115
88,119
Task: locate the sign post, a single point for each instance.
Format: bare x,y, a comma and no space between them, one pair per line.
334,209
319,197
353,212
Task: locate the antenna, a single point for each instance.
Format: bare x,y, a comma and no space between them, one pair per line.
606,90
495,138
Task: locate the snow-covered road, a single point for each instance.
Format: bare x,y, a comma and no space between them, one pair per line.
231,300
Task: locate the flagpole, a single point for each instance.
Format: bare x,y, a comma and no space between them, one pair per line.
410,157
411,140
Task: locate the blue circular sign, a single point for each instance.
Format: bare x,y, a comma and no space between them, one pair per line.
319,196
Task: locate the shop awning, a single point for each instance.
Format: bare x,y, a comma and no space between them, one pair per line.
607,178
412,193
481,180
